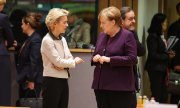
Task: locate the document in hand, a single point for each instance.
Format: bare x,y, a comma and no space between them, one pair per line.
171,42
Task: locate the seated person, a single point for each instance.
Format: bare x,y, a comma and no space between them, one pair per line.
78,32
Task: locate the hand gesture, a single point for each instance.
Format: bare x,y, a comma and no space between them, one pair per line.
78,60
104,59
96,58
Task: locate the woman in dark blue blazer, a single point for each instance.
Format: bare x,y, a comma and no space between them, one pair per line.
29,69
6,40
114,57
157,60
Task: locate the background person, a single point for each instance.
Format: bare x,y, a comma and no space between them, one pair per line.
114,56
6,41
16,21
57,60
29,68
78,32
174,30
128,22
157,60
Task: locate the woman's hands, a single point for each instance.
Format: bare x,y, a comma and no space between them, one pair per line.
101,59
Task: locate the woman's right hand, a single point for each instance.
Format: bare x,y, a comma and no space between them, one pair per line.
78,60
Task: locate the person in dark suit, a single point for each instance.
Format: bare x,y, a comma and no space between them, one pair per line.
157,60
29,69
114,57
174,30
128,22
6,40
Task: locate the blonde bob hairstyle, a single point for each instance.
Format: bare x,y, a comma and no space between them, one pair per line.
111,13
54,15
2,2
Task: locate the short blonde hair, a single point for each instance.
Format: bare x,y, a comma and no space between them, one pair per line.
54,15
112,13
2,2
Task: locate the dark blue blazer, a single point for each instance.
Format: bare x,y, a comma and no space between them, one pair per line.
5,34
29,60
117,75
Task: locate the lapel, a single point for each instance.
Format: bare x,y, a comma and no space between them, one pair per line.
24,46
171,42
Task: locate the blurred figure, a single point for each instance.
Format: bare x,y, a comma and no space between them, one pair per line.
16,21
57,60
78,32
6,41
174,30
114,57
157,60
29,69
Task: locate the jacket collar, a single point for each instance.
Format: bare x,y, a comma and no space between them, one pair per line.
54,37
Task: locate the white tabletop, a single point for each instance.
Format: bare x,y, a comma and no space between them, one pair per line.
160,106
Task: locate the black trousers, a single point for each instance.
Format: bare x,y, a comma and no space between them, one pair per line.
5,81
158,85
55,93
115,99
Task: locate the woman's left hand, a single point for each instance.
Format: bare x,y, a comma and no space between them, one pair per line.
104,59
30,85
